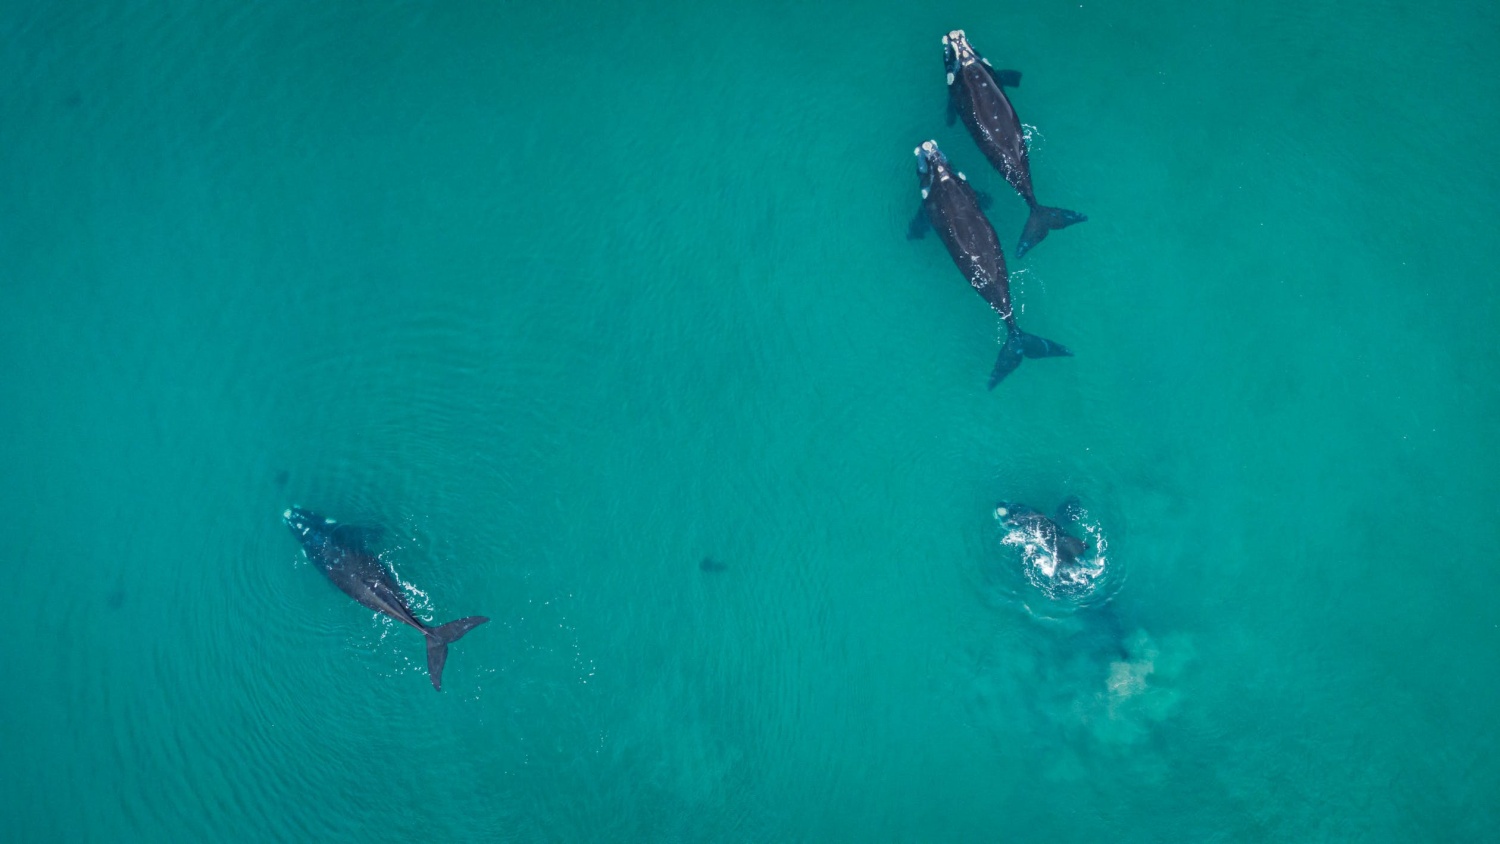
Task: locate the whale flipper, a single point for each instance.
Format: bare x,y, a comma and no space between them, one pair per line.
1043,220
1006,78
438,640
919,225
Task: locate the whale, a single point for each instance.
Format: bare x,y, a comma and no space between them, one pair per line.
1050,533
976,93
1103,631
341,552
951,206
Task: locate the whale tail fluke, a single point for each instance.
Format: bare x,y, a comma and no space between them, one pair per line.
1040,347
1043,220
438,640
1018,345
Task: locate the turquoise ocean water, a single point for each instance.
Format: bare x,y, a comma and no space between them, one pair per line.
570,297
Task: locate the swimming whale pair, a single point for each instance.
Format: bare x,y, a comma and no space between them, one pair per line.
953,207
341,553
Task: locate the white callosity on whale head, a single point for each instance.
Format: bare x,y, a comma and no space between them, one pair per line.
929,150
927,155
932,166
301,521
958,44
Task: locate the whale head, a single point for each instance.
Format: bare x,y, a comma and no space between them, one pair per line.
958,53
932,165
1013,515
1004,512
306,525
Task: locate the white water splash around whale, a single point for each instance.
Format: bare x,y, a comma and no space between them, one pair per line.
1090,580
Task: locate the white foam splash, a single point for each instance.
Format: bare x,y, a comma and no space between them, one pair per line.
1075,583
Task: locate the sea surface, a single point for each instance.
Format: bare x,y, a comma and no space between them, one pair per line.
570,298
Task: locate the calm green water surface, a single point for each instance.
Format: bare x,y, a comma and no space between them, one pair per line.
569,297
